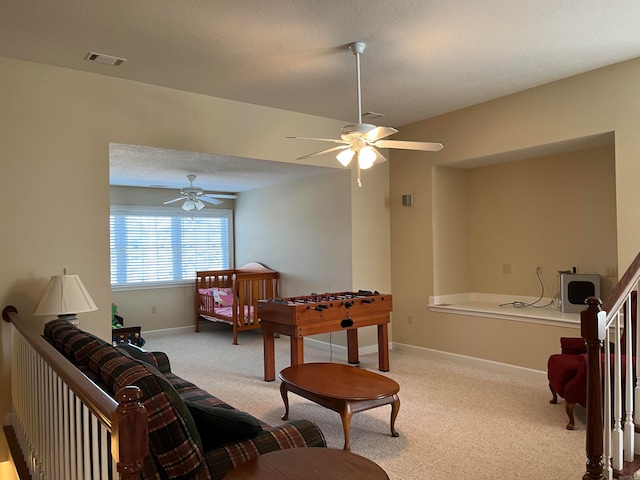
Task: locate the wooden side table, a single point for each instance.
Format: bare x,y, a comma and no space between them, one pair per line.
308,464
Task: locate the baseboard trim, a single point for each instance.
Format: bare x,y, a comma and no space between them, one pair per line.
523,372
326,346
189,329
173,330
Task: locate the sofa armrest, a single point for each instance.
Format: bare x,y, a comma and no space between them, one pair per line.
293,434
572,345
161,361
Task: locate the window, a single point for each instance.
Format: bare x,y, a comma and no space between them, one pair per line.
153,246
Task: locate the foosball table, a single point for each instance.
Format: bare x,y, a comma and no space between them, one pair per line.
298,317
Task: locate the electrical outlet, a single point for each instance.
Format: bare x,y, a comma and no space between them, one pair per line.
410,319
153,309
612,272
506,268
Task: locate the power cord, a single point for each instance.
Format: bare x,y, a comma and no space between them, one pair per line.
519,304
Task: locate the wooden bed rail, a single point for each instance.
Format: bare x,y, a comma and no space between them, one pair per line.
65,425
604,455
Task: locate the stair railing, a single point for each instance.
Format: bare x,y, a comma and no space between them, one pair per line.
61,424
610,439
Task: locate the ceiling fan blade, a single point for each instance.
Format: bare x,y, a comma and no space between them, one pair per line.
174,200
214,201
328,150
334,140
231,196
378,133
423,146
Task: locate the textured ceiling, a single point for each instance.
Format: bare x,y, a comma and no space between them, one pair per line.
139,166
423,57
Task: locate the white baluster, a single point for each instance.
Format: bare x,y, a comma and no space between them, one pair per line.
79,449
66,454
95,448
86,462
105,458
616,440
607,470
636,392
628,423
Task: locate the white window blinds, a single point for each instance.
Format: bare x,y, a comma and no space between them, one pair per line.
152,246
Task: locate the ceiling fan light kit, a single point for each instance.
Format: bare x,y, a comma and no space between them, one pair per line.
360,140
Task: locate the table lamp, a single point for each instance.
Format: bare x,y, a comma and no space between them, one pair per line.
65,296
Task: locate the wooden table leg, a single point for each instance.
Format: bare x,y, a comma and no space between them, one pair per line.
352,346
383,348
297,350
269,356
345,414
395,407
285,399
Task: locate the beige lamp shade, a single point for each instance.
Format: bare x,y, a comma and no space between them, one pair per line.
65,296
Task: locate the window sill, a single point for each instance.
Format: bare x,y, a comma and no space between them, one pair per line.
488,305
152,286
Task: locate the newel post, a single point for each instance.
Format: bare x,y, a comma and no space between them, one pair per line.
592,323
129,433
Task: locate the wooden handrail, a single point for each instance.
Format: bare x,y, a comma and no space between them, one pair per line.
621,290
594,323
125,418
101,404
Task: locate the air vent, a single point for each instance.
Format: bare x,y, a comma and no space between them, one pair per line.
106,59
372,115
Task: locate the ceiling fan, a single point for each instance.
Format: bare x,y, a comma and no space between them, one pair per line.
193,196
361,139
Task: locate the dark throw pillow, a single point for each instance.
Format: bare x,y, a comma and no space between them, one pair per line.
218,425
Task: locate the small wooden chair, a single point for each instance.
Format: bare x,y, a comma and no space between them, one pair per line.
127,335
122,334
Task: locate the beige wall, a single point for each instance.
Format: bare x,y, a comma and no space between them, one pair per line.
601,101
55,129
301,229
451,238
524,213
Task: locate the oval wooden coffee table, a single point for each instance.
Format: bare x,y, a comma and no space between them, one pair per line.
342,388
308,464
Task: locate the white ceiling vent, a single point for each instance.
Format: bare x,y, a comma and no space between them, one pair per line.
102,58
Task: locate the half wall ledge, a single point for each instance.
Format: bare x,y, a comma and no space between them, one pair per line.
501,307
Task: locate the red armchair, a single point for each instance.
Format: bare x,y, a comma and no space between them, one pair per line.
567,371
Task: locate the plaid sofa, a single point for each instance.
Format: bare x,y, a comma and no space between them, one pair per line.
179,446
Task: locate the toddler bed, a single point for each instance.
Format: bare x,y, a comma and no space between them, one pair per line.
231,296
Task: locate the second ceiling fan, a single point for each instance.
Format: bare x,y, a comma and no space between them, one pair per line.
361,139
193,196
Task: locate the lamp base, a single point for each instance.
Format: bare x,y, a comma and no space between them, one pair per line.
72,318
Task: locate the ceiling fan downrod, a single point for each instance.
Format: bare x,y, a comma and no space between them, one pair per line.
357,48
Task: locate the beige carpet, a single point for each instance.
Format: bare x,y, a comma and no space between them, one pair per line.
455,422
